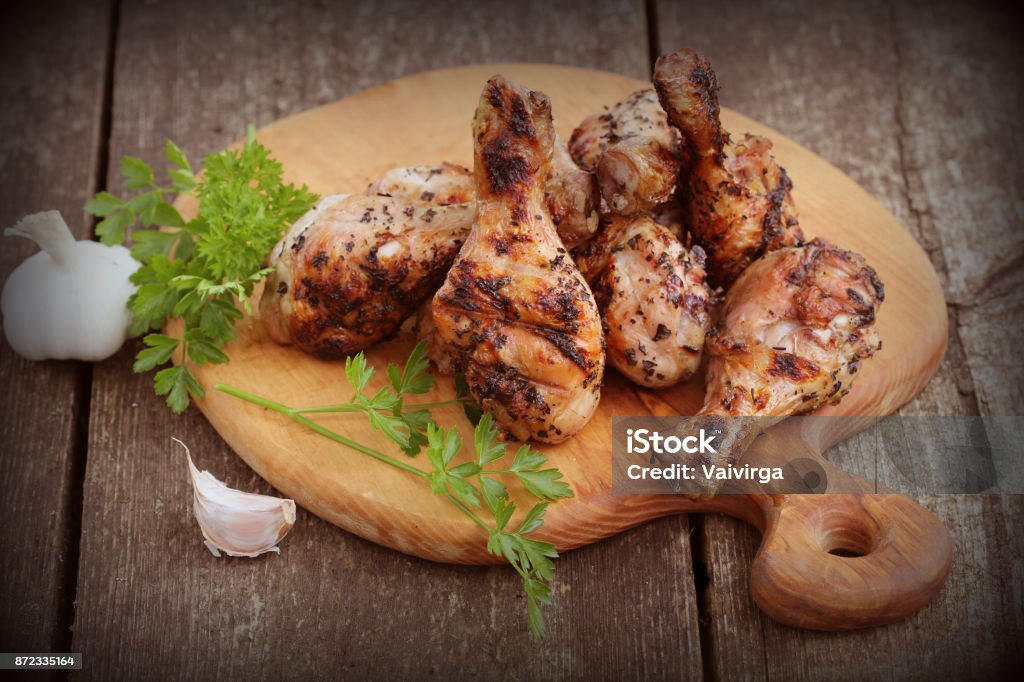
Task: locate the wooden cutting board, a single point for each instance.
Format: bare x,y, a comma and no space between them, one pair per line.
425,119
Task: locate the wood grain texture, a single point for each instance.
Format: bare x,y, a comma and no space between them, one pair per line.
870,90
964,179
49,147
969,631
152,601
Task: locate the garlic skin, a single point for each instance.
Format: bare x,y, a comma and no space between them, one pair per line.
235,522
69,300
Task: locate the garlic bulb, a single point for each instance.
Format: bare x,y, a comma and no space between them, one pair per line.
235,522
68,300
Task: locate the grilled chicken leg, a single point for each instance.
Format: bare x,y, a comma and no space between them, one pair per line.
515,315
738,196
652,298
794,329
633,151
352,269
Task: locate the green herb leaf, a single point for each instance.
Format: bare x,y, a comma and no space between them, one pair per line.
182,180
413,378
177,383
244,208
151,304
201,351
357,372
503,512
144,206
485,437
137,173
473,412
166,215
545,484
112,229
463,490
534,518
527,458
103,204
147,244
173,153
465,470
492,490
160,349
393,427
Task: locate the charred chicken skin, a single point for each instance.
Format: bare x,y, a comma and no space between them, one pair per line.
515,315
352,269
652,297
738,197
633,151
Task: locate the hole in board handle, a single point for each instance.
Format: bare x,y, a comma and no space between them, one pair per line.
848,538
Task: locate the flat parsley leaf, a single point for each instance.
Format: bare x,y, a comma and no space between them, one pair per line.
473,486
532,559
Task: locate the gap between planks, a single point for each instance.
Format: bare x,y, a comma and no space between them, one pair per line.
83,382
698,536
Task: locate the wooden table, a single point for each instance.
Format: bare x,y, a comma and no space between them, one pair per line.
918,101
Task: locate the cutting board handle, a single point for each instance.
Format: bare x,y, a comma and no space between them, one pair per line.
842,562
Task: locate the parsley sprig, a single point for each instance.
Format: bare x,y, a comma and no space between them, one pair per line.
475,487
197,270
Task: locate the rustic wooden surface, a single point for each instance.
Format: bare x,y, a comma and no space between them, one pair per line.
51,151
882,93
917,101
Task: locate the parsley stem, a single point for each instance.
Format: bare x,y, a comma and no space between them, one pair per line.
343,407
322,430
467,511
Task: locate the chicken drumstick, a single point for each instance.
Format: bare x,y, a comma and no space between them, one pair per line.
515,315
738,197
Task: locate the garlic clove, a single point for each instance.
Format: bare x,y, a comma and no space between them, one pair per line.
235,522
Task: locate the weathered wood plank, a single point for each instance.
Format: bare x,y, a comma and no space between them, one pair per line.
970,631
860,88
151,599
958,67
52,87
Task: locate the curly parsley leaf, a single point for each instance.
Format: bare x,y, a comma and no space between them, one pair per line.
199,270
